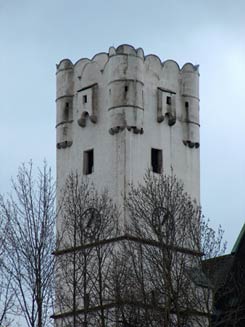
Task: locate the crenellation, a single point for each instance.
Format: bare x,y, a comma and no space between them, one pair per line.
64,65
140,101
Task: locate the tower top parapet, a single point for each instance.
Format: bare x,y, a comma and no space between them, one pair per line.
140,111
124,49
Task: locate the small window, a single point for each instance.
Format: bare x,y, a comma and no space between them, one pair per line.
156,160
88,162
66,113
86,300
187,111
85,99
168,100
126,88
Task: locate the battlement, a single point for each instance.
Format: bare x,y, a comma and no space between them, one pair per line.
123,102
123,49
123,76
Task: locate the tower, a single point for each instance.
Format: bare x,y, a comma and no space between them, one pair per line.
121,113
118,115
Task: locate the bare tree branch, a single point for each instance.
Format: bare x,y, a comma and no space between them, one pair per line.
29,213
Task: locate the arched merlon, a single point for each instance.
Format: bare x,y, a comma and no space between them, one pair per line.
64,64
101,59
126,49
171,63
190,67
90,74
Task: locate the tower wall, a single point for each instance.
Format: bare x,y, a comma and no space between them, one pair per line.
121,105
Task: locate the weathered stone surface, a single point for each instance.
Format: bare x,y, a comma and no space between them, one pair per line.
122,104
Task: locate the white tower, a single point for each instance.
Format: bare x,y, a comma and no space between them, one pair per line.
118,115
122,112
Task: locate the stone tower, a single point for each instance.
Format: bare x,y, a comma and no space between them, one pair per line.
118,115
121,113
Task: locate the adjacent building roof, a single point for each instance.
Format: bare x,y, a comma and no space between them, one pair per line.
237,244
217,269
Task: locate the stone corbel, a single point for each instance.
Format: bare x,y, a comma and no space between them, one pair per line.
191,144
171,118
63,145
134,129
84,116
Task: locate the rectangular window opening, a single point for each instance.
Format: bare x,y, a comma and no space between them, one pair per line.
86,300
168,100
66,114
88,162
187,111
156,160
126,88
85,99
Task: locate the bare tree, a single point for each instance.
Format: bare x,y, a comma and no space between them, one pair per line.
150,275
7,300
163,220
88,224
212,242
29,215
230,298
6,292
212,246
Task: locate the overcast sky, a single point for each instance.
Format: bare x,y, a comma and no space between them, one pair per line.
35,35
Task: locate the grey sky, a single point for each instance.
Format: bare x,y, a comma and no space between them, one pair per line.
35,35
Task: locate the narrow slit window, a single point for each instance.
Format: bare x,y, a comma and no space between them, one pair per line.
156,160
66,113
126,89
168,100
187,110
86,300
85,99
88,162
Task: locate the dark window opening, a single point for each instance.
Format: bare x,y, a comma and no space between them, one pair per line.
86,300
187,110
88,162
85,99
156,160
126,88
168,100
66,114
